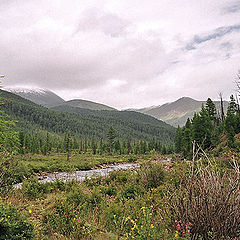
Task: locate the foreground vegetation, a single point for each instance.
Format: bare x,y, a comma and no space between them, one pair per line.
158,201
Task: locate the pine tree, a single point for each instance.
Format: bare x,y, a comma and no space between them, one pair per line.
21,142
67,145
232,108
178,140
229,127
201,128
211,109
111,135
187,141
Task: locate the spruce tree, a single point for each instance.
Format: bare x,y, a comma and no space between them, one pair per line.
201,128
232,108
187,140
211,109
111,135
178,140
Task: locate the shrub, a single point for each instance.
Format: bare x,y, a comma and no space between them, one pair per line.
132,159
109,190
151,175
32,188
13,225
131,191
210,203
119,176
77,196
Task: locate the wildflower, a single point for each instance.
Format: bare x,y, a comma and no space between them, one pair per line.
176,234
30,211
151,226
47,217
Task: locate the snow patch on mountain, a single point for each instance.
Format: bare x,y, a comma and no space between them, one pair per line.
26,90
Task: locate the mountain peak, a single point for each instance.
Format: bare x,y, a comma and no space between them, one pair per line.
39,96
25,90
186,99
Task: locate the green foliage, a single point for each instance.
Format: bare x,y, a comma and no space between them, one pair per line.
9,143
178,140
111,135
206,128
211,109
13,225
151,175
201,128
33,189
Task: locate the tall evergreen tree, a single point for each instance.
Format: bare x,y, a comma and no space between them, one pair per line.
201,128
187,140
232,107
178,140
230,127
67,145
111,135
211,109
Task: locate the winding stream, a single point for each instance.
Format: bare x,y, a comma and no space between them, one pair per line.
82,175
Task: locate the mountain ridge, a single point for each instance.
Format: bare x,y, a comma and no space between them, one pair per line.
177,112
86,104
174,113
85,123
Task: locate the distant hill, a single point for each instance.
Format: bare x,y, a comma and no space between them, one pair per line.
176,113
42,97
84,123
79,103
49,99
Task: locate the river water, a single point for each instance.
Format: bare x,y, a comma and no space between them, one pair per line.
82,175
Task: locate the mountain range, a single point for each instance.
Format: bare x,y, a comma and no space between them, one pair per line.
177,112
174,113
83,123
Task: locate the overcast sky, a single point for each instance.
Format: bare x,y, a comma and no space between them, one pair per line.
124,53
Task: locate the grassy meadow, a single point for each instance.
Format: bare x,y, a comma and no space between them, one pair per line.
161,200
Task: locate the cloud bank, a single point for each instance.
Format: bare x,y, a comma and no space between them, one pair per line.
121,53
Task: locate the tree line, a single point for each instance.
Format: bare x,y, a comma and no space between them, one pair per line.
208,126
46,143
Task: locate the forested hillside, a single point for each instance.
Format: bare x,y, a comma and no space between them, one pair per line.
79,103
86,123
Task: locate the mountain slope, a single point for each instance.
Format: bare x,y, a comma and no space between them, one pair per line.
79,103
42,97
176,113
84,123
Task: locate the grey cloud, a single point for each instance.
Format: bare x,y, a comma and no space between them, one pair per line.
56,65
231,8
127,52
108,23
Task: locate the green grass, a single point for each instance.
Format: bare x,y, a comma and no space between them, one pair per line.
58,162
